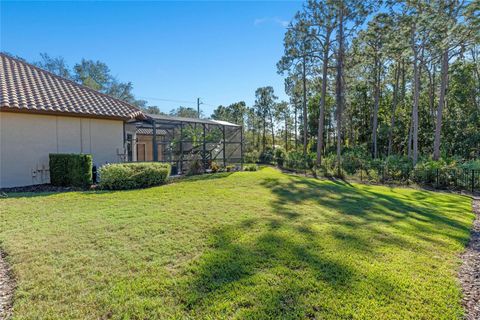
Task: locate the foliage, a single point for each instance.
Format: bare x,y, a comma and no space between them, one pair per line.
152,110
70,169
230,168
280,156
251,157
471,165
120,176
195,167
266,156
250,167
214,167
93,74
297,160
186,112
234,113
270,246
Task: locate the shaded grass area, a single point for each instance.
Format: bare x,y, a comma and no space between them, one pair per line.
250,245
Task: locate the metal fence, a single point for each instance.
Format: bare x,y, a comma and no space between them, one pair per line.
457,179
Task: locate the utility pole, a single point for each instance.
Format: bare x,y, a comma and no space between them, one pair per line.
198,107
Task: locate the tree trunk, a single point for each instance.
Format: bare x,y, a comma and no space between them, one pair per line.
305,122
323,96
394,108
409,142
286,131
296,126
432,93
375,108
441,102
339,87
264,142
273,131
416,94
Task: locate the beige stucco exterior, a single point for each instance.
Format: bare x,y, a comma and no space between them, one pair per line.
27,139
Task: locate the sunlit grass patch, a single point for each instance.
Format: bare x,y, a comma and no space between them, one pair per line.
243,245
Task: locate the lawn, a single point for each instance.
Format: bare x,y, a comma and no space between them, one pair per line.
247,245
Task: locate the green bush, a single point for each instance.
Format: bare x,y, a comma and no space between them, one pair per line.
230,168
298,161
266,156
471,165
250,167
196,167
120,176
251,157
398,168
70,170
279,156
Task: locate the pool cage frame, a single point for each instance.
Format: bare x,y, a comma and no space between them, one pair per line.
185,141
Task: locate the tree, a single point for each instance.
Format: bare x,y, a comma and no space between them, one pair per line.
321,22
350,15
236,113
152,110
298,51
418,24
186,112
373,40
294,90
452,34
264,104
282,114
93,74
56,65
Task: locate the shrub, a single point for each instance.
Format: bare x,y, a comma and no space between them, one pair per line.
266,156
120,176
351,163
214,167
196,167
250,167
251,157
471,165
230,168
398,167
297,160
70,169
279,156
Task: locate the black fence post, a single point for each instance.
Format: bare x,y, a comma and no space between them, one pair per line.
473,180
437,177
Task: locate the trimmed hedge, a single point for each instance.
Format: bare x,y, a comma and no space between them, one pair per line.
70,170
121,176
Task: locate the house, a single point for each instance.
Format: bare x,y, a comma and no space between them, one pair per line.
41,113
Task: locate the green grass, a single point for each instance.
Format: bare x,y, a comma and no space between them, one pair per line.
247,245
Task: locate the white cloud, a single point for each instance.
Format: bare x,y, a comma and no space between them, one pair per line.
274,20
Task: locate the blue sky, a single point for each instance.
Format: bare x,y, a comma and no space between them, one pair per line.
219,51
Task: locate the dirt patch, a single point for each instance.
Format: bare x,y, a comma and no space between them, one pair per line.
7,286
470,270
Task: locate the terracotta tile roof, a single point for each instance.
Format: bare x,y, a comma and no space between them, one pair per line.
24,87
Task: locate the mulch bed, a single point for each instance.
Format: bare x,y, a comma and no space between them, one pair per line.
7,285
470,270
39,188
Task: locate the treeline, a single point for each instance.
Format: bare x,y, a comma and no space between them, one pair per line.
400,78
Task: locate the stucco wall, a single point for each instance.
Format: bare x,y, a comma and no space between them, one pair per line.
27,139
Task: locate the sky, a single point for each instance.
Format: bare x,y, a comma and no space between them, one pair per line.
219,51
